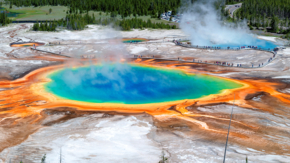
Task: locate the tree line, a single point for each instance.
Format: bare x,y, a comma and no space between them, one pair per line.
47,26
80,21
128,24
229,2
71,22
121,7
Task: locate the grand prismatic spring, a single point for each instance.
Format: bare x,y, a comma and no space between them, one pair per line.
132,84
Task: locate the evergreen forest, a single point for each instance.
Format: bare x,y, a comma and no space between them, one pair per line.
121,7
272,14
79,22
265,8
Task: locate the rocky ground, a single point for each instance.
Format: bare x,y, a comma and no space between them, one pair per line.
102,137
111,138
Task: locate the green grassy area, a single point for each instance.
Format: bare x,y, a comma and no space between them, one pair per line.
37,13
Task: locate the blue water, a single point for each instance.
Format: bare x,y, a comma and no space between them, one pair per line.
132,84
258,43
247,41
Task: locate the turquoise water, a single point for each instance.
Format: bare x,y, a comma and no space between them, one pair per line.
132,84
263,44
258,43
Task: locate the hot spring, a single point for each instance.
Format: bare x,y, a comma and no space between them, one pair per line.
250,42
133,40
25,44
132,84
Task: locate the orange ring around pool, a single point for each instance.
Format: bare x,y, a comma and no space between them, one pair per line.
26,44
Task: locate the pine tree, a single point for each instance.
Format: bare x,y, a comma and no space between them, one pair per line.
263,22
45,27
41,28
275,24
36,26
94,19
4,20
43,158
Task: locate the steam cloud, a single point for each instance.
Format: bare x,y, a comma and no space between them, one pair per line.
109,49
202,22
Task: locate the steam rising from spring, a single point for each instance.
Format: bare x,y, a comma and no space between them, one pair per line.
106,49
202,22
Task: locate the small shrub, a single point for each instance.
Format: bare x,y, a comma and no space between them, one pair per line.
43,158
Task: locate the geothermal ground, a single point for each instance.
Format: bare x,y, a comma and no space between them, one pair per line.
33,124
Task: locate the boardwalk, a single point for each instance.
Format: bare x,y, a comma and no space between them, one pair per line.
50,52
